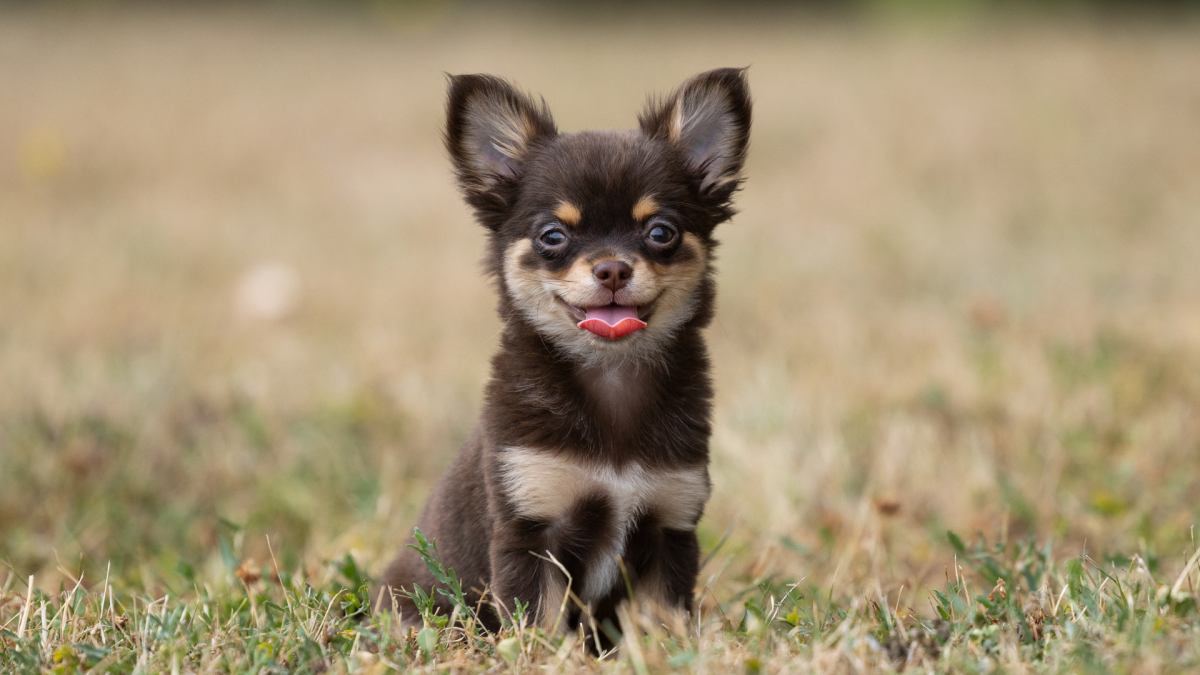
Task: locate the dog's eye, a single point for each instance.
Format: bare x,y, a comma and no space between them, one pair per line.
553,238
661,234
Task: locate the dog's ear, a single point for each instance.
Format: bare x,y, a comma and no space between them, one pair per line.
490,128
708,120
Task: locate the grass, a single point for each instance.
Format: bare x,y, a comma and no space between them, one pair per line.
960,297
1031,612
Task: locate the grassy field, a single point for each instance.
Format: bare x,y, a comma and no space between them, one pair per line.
243,330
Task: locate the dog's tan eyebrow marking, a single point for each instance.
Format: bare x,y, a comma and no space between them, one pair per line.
645,207
568,213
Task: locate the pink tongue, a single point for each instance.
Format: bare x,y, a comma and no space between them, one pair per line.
612,322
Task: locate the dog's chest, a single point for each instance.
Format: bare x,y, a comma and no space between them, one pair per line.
549,487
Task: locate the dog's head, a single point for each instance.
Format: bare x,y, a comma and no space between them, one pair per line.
602,240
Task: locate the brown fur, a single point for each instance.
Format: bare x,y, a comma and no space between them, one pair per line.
568,214
644,208
589,450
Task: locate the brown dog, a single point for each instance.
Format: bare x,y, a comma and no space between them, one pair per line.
593,443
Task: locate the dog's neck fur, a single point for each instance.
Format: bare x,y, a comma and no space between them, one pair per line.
618,394
652,412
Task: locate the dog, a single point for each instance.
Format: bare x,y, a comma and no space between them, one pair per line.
591,454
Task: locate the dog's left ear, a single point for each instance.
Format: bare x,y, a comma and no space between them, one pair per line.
708,120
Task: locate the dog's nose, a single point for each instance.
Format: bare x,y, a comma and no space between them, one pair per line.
613,274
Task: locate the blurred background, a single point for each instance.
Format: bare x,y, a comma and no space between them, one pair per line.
240,297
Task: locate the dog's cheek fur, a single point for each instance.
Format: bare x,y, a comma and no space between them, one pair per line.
677,283
531,290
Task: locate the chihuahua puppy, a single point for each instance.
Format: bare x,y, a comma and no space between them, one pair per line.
592,449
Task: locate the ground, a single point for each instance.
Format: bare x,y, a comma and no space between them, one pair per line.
243,329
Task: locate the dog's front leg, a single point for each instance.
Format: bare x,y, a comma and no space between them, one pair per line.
520,571
666,562
678,567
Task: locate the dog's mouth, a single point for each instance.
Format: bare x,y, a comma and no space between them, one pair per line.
611,321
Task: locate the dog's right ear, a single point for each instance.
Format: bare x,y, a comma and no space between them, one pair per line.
490,129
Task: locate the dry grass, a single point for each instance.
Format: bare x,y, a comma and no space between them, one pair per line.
961,295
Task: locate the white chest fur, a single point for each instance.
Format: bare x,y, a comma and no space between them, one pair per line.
544,485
